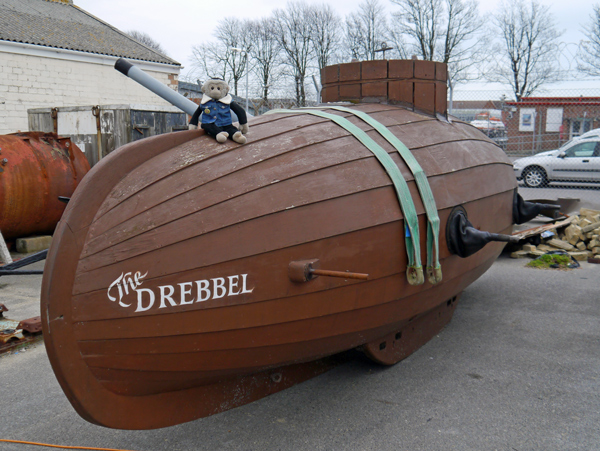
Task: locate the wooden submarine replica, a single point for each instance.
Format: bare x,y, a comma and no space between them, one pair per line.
187,277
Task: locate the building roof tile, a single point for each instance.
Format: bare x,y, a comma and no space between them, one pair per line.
61,24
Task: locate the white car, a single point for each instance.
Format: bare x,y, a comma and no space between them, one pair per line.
576,161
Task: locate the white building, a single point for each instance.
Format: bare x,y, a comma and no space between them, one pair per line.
54,54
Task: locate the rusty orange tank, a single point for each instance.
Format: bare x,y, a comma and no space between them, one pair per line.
188,277
35,169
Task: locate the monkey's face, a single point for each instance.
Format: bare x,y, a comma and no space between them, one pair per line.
215,89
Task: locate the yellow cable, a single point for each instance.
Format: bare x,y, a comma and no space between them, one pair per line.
61,446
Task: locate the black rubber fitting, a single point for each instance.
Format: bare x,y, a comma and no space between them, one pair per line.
123,66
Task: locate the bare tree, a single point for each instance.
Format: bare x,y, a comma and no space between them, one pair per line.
528,54
396,40
234,33
210,60
325,33
294,34
419,20
266,55
442,30
366,30
217,59
589,50
144,38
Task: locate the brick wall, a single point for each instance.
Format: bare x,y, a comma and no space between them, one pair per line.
417,84
573,109
38,82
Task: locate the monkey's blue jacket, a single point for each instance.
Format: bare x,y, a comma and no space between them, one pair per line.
219,111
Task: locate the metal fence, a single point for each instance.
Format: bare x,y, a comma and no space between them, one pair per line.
553,139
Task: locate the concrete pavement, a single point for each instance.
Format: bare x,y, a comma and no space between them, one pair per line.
518,368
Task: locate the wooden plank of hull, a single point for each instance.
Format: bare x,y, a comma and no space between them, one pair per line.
382,258
108,358
249,216
254,349
138,225
161,190
305,187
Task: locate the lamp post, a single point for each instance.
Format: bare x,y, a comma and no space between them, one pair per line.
235,49
384,48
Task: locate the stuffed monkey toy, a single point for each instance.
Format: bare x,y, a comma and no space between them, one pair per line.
215,108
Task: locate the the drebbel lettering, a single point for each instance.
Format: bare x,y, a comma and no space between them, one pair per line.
172,296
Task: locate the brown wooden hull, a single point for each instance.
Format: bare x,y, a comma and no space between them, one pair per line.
223,222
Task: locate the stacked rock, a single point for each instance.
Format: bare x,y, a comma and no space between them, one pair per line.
580,238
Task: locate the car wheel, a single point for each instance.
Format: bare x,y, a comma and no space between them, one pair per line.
534,177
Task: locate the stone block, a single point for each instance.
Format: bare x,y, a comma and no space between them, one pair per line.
330,94
579,256
529,247
401,69
441,97
376,89
425,70
401,91
33,244
519,254
425,96
590,227
584,222
560,244
350,92
573,231
374,70
441,72
581,246
350,72
588,212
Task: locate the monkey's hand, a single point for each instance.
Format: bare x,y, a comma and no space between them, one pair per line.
192,127
244,129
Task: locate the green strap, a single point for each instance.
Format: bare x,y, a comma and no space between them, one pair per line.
434,270
414,271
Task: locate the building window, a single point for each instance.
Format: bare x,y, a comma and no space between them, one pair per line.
579,127
554,118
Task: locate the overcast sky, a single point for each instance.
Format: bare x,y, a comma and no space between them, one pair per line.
177,26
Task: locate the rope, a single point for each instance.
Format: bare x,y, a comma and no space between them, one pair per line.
60,446
414,271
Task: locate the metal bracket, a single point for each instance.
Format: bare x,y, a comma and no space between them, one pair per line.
10,269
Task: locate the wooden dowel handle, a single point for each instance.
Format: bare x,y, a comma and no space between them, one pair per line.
342,274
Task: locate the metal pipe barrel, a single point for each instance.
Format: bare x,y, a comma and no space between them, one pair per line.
161,90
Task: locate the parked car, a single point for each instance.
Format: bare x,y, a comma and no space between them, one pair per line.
595,133
576,161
